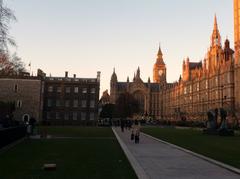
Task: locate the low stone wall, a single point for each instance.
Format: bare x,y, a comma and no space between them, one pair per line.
9,135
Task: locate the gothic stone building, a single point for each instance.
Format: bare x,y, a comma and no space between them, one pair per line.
147,94
71,100
208,84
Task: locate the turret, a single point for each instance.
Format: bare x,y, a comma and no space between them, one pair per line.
228,52
113,87
114,76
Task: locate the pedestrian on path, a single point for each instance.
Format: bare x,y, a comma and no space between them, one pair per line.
122,125
136,129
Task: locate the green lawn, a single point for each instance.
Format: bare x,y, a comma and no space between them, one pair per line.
70,131
224,149
87,157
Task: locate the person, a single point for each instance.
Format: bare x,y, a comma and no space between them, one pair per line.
137,131
137,135
32,122
132,135
122,125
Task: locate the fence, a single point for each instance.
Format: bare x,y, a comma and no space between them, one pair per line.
9,135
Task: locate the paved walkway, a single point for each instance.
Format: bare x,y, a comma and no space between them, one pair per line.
153,159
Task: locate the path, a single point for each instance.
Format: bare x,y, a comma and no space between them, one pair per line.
156,160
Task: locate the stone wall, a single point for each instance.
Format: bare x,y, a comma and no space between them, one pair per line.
26,93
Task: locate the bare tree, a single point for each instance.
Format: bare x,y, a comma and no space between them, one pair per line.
6,15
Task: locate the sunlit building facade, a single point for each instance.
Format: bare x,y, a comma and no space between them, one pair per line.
208,84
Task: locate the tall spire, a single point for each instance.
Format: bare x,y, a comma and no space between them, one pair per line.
216,37
215,23
138,73
160,56
114,75
159,51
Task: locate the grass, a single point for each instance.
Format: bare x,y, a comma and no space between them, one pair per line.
87,157
224,149
70,131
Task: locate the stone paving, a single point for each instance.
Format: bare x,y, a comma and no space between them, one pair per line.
153,159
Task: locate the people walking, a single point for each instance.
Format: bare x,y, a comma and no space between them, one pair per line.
136,131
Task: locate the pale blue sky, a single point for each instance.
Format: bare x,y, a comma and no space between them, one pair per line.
86,36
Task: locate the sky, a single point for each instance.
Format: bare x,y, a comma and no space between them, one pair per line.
86,36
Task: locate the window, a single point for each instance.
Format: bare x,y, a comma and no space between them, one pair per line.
185,90
197,86
15,88
67,103
75,103
93,90
92,104
75,116
49,103
58,103
59,89
83,116
91,116
19,104
48,115
58,115
84,90
50,89
84,103
228,78
206,84
66,116
68,89
75,89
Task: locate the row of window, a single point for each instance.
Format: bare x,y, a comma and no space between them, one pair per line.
75,89
70,103
70,116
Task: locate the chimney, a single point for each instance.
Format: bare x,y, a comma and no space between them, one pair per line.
98,76
66,74
74,75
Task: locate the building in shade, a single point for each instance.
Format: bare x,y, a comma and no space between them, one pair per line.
146,93
26,92
71,100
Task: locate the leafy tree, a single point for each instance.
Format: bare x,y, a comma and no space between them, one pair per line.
107,111
126,105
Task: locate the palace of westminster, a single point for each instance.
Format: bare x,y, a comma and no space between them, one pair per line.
209,84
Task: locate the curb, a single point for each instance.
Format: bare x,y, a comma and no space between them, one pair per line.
223,165
141,174
9,146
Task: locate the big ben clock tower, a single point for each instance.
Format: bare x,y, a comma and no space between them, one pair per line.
159,69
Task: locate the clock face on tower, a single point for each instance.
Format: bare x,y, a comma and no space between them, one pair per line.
160,72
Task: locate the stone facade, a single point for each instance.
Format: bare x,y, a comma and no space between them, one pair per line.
237,56
146,93
203,85
25,92
208,84
69,101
